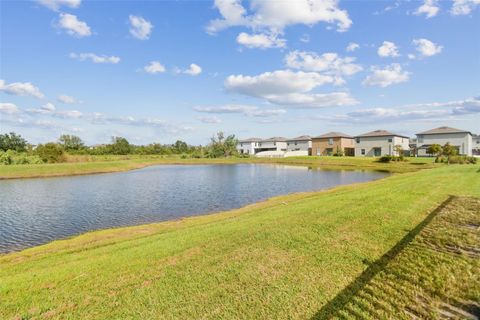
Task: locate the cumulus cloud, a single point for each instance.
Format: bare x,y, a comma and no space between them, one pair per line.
48,108
413,112
193,70
260,40
21,89
384,77
247,110
388,49
276,15
463,7
210,119
352,46
154,67
290,88
95,58
426,47
8,108
73,26
140,28
55,5
63,98
327,63
429,7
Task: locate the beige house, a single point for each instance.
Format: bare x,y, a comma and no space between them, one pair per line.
333,143
379,143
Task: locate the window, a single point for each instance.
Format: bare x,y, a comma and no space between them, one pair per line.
390,140
330,141
363,152
357,140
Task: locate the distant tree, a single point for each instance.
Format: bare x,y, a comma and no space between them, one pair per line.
50,152
12,141
71,142
399,150
434,149
222,147
180,147
119,146
448,151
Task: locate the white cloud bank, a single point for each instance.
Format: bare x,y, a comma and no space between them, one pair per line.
261,40
193,70
73,26
63,98
463,7
21,89
247,110
427,48
55,5
94,58
388,49
8,108
352,46
384,77
429,7
140,28
210,119
154,67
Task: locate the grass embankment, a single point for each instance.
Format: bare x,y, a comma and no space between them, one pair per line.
287,257
88,165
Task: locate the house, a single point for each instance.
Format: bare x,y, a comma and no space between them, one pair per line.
476,145
379,143
299,146
248,146
461,139
271,147
333,143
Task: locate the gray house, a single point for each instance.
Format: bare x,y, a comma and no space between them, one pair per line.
461,139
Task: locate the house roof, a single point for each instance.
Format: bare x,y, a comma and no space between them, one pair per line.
301,138
333,134
275,139
250,140
381,133
441,130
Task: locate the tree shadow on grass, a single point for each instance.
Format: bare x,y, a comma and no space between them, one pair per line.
340,301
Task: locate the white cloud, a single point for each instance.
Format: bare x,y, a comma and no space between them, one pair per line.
73,26
48,107
352,46
327,63
154,67
260,40
193,70
247,110
140,28
426,47
210,119
463,7
95,58
21,89
289,88
276,15
56,4
429,7
413,112
388,49
8,108
387,76
68,114
63,98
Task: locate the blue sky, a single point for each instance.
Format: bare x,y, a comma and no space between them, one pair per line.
158,71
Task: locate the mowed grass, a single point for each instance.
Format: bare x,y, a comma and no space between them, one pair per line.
287,257
79,165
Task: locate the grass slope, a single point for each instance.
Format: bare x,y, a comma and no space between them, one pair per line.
105,164
283,258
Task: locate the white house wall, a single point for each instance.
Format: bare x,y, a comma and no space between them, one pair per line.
463,141
387,147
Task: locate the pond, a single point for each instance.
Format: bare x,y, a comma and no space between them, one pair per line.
37,211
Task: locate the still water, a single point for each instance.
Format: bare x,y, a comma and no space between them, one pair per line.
37,211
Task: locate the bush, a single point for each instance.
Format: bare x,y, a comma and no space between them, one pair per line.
456,160
6,157
385,159
50,152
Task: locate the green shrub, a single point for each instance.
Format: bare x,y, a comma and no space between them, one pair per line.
50,152
385,159
456,160
6,157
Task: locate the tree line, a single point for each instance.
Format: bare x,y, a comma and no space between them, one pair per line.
14,149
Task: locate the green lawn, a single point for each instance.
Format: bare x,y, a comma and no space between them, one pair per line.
288,257
105,164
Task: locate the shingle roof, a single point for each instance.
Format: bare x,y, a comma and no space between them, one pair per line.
381,133
440,130
301,138
275,139
334,134
250,140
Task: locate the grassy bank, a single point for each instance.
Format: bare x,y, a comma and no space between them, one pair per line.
104,164
287,257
